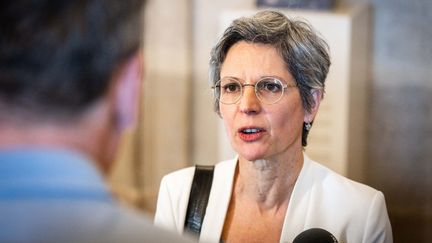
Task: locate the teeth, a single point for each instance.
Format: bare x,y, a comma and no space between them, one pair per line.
250,130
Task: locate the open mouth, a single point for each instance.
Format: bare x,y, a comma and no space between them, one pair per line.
251,130
250,134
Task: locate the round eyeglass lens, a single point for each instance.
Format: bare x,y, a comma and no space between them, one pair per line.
269,90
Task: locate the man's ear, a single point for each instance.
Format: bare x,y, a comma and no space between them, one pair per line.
317,97
127,93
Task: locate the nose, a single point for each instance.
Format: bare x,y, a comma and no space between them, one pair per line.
249,103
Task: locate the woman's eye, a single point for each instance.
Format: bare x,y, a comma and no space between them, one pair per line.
230,88
270,86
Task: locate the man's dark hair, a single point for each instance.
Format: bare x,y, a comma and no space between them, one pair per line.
58,56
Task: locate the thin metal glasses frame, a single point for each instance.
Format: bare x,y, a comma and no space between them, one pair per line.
216,92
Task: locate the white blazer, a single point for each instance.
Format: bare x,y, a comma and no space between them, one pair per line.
321,198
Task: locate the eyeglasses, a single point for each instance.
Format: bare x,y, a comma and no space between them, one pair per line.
268,90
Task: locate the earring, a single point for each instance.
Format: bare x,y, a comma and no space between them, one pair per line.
308,126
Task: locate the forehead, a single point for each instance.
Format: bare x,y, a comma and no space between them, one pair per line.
253,60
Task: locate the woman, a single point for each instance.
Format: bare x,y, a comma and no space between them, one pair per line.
268,76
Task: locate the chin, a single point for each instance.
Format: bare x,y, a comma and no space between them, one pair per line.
251,156
250,152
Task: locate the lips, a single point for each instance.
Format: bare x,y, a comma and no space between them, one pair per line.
250,134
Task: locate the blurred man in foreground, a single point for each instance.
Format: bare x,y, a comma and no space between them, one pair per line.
67,69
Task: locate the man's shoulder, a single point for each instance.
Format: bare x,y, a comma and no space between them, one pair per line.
79,221
130,225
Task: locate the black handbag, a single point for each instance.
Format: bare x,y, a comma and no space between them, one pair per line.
198,198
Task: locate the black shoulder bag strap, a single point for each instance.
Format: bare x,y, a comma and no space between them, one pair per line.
198,198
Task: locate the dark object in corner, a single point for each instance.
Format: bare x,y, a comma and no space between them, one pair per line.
308,4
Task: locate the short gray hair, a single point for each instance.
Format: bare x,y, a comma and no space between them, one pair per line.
305,53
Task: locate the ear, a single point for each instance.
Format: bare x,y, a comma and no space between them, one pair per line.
317,97
127,94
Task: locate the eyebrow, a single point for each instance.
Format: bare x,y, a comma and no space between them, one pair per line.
262,77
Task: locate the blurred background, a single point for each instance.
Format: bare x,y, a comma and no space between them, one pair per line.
376,126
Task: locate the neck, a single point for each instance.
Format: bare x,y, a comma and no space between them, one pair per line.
44,136
268,182
86,134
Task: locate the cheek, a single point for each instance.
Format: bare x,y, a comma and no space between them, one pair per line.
227,116
224,112
288,119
